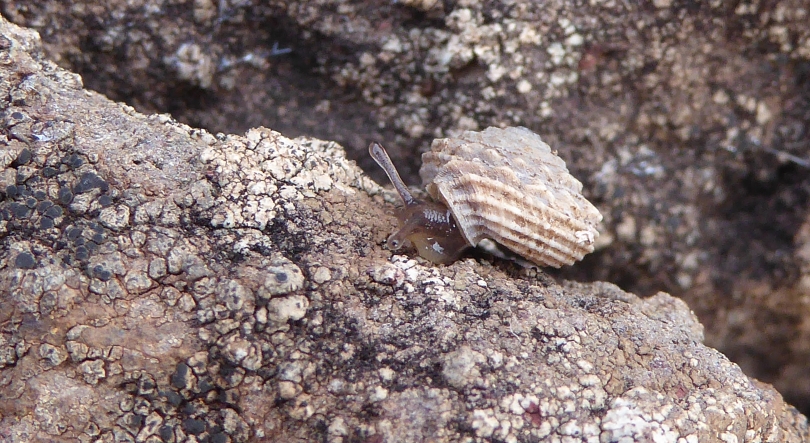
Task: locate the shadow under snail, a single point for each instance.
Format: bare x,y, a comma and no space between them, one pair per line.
504,185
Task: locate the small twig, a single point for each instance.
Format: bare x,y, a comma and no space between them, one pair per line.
786,156
279,51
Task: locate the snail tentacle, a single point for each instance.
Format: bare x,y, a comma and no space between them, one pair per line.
380,156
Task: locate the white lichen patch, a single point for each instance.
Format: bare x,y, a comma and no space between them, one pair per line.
460,367
281,276
626,418
265,172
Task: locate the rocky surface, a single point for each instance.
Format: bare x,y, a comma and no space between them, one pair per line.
686,122
164,284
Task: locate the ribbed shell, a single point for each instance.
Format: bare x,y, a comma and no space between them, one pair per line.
507,185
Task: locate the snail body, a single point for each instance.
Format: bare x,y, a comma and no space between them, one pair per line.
428,226
500,184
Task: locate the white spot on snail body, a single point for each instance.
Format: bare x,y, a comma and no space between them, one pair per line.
437,247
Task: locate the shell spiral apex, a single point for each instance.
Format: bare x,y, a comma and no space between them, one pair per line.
507,185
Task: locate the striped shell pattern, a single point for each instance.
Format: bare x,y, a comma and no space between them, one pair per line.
507,185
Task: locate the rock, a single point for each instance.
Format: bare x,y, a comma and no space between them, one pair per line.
92,371
216,344
284,309
53,355
459,368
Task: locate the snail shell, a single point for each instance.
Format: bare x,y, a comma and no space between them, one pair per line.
507,185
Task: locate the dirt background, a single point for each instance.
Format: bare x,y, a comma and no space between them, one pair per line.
687,122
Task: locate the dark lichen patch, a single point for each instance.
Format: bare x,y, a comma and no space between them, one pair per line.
281,277
205,386
194,426
179,378
105,201
292,240
82,253
65,196
46,223
19,211
263,249
100,273
166,433
173,398
43,206
88,182
25,260
53,212
11,191
73,233
49,172
73,161
22,159
133,421
92,247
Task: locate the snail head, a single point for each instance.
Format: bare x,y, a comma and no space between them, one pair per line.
428,226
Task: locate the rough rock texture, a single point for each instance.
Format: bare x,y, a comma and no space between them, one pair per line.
163,284
687,122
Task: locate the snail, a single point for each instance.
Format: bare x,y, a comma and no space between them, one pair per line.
504,185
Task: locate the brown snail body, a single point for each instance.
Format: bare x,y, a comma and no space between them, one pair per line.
428,226
500,184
